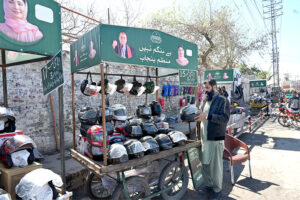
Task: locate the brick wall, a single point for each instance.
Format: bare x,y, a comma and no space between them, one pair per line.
33,111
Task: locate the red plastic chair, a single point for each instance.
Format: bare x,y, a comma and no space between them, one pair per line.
231,143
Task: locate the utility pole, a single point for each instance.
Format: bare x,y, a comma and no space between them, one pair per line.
273,10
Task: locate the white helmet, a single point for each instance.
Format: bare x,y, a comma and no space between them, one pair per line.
119,112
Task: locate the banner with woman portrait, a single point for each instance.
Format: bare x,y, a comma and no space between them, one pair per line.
30,26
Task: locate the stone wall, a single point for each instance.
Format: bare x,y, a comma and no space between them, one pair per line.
33,111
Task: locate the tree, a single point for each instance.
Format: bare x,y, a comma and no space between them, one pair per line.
221,43
254,70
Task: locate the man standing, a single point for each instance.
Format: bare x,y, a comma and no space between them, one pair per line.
215,112
122,48
294,102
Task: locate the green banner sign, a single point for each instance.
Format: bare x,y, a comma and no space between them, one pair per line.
52,74
226,75
118,44
195,167
15,57
85,52
30,26
188,77
258,83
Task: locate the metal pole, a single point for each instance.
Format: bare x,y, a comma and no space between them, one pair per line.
54,122
73,113
146,100
103,114
198,105
4,78
62,137
156,83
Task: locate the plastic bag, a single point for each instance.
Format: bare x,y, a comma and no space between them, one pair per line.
20,158
34,185
4,195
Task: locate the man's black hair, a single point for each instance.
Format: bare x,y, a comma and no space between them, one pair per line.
211,82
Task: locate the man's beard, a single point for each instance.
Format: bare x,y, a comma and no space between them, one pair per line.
209,95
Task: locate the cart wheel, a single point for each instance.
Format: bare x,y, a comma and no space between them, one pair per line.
169,176
95,188
284,121
137,188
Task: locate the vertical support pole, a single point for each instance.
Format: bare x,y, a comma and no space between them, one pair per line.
54,122
4,78
146,100
198,105
62,137
73,112
156,83
103,116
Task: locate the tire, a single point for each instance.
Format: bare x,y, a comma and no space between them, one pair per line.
95,189
134,180
296,122
173,169
283,121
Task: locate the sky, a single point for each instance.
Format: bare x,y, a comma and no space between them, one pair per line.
249,17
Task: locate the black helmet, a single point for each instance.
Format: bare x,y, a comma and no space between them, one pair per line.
84,128
134,130
177,137
9,119
88,115
162,127
159,118
117,154
108,87
155,108
122,86
108,114
135,148
137,88
119,124
109,127
143,111
150,145
149,128
164,142
116,138
89,88
188,113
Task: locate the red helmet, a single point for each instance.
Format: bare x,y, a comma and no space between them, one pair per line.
95,135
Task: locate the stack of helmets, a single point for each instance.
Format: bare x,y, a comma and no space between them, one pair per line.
178,138
108,119
88,117
119,116
133,130
149,128
144,112
117,153
189,113
95,142
150,145
135,148
164,142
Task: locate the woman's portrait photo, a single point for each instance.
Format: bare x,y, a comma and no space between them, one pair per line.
122,48
16,25
92,50
181,60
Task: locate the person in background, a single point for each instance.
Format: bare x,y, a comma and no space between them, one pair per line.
294,102
225,92
122,48
215,113
16,25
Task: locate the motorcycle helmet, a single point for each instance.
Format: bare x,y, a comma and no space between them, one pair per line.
178,138
88,115
150,145
108,87
143,111
188,113
149,128
108,114
14,144
119,112
89,88
8,120
135,148
151,88
162,127
116,137
122,86
156,108
159,118
109,127
137,88
164,142
84,128
121,124
134,130
135,121
95,142
117,153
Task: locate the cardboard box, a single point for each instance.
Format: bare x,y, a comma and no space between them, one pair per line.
11,177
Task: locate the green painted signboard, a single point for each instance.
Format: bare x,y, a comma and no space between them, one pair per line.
136,46
15,57
226,75
52,74
85,52
195,167
30,26
188,77
258,83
